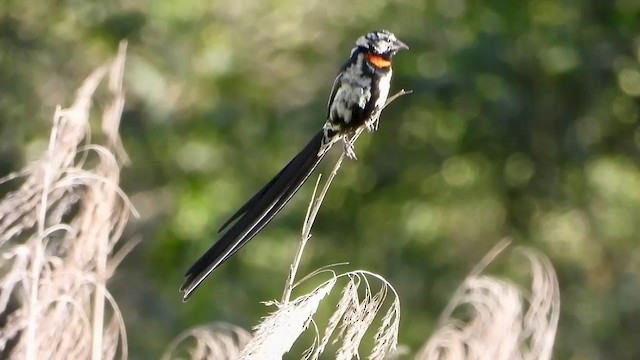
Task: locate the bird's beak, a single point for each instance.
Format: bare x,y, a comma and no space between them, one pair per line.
400,45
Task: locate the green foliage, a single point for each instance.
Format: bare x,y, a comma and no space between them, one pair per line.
523,123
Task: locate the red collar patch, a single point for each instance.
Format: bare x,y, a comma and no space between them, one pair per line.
378,61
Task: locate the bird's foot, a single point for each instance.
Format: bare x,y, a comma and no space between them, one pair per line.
372,124
348,148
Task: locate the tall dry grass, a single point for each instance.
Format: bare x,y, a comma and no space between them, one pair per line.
58,233
493,318
488,318
60,229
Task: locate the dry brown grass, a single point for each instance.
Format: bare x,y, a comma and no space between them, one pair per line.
501,320
58,232
487,318
216,341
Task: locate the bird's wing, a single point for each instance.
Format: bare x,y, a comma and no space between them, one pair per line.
334,90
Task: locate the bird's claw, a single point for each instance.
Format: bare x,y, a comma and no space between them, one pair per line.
371,126
348,149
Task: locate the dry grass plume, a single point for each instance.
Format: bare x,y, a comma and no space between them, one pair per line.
58,232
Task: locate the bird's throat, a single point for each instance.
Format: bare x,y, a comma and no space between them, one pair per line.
379,61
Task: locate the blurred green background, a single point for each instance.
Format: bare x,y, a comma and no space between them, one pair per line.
523,123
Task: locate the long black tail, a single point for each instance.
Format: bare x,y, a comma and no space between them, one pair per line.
255,214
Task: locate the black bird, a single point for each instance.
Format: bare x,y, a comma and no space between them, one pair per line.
359,92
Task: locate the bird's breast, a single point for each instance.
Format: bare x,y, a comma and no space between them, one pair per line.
384,84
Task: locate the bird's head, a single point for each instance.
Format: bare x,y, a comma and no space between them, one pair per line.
380,46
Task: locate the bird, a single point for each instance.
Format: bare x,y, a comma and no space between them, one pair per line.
358,94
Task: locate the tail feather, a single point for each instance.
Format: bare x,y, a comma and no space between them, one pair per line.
256,197
256,213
